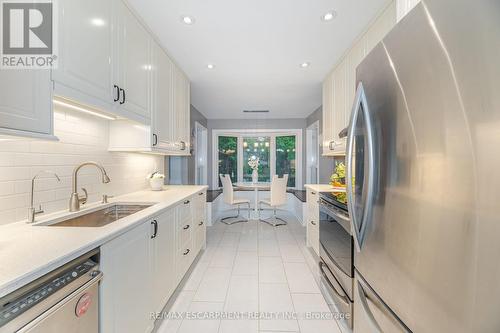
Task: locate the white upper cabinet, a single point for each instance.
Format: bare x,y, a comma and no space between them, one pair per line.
85,42
169,132
26,103
339,87
162,122
132,68
182,109
404,7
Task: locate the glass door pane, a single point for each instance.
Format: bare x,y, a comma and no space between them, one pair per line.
228,157
286,162
257,147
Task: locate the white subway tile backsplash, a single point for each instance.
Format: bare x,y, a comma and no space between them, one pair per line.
82,138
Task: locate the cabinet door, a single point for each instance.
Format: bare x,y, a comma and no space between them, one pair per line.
134,64
163,116
26,102
85,51
126,288
182,110
354,58
327,113
164,252
339,99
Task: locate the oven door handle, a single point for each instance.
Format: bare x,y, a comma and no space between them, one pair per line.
344,298
334,212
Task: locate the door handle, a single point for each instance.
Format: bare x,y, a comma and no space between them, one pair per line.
313,223
186,227
155,139
360,226
187,202
364,304
201,223
186,252
124,98
117,95
155,228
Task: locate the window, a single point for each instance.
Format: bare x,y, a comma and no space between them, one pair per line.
260,148
279,153
285,158
228,158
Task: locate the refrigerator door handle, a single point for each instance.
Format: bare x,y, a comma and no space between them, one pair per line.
359,227
364,304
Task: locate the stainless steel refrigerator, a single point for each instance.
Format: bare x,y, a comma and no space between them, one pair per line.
424,173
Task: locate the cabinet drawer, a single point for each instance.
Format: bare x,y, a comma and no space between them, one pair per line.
185,257
184,211
184,234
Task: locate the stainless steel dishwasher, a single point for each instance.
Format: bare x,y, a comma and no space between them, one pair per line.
64,300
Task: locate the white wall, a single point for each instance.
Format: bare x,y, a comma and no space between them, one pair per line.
82,138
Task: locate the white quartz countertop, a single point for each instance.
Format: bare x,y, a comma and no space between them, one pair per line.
27,251
324,188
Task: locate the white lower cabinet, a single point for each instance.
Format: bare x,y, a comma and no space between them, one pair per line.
143,267
163,255
126,291
312,226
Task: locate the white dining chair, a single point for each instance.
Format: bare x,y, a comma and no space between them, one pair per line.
228,196
278,198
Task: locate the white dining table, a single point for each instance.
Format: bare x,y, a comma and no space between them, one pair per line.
256,187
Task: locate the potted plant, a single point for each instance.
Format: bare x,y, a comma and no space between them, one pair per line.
253,163
156,181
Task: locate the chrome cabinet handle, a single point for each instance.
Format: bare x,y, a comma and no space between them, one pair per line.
313,193
344,299
155,139
313,223
186,252
201,223
187,202
201,193
368,312
183,145
186,227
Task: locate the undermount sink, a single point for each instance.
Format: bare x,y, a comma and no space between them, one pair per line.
101,217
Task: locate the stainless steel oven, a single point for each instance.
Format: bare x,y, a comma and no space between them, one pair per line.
336,257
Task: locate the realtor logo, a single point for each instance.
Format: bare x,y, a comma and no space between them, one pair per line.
28,34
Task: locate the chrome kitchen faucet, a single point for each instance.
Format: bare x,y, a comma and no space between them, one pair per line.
32,211
75,201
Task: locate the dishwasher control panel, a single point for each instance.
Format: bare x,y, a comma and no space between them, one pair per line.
23,303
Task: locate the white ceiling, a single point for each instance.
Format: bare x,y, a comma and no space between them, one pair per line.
257,47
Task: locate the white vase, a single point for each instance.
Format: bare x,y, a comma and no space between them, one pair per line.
156,184
255,176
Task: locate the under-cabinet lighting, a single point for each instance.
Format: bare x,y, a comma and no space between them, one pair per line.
82,109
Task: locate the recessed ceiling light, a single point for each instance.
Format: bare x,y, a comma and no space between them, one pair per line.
210,66
187,20
329,16
305,64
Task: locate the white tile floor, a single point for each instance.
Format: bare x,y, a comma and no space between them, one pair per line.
252,268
